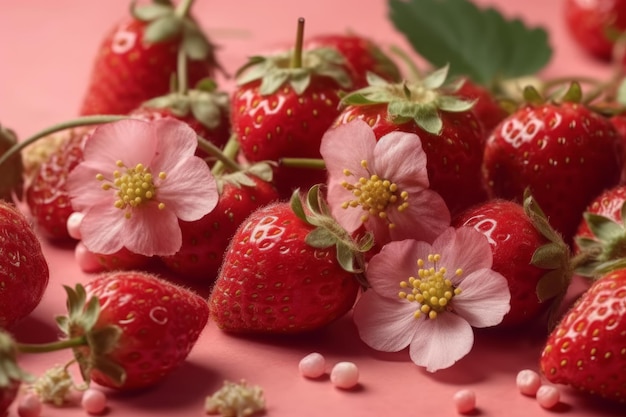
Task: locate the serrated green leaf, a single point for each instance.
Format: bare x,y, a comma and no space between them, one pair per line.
478,43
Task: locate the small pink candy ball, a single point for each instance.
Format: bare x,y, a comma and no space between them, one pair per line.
344,375
29,405
528,382
548,396
94,401
465,401
312,365
73,224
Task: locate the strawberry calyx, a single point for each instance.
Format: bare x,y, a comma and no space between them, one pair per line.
295,68
420,100
606,251
11,178
241,178
9,369
328,232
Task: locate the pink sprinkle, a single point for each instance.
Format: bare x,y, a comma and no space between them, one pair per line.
86,260
312,365
344,375
465,401
94,401
548,396
29,405
73,224
528,382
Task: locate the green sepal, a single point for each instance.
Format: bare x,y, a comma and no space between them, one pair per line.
603,227
163,29
150,12
195,44
548,256
9,369
551,285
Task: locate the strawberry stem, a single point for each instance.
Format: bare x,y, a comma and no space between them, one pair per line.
52,346
182,10
230,151
310,163
296,57
181,71
211,149
81,121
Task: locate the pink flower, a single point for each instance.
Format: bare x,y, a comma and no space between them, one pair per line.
382,185
429,297
137,179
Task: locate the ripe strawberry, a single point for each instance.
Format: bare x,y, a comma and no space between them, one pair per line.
595,25
139,328
23,268
586,349
362,55
487,108
526,252
206,240
8,393
46,193
566,153
136,60
282,274
451,135
282,107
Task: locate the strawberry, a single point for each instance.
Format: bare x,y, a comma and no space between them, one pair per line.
135,328
526,251
8,393
24,271
137,58
487,108
283,105
206,240
595,25
586,349
287,270
46,192
566,153
362,55
451,135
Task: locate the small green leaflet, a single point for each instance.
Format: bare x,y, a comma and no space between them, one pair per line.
476,42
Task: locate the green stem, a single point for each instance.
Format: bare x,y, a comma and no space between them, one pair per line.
415,73
230,151
310,163
81,121
181,71
52,346
296,57
213,150
182,10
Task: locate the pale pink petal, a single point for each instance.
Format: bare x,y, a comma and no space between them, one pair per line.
85,190
349,218
102,228
396,262
441,342
131,140
345,146
399,157
190,190
176,143
464,248
384,324
153,232
484,298
425,218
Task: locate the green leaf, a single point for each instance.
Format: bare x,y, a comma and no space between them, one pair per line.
162,29
603,227
478,43
320,238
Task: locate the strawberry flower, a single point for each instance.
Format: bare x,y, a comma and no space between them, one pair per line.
137,179
429,297
382,185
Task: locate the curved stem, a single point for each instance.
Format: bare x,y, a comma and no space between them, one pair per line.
311,163
182,10
81,121
213,150
52,346
181,71
230,151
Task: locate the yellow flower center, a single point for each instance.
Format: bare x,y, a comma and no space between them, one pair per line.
431,289
133,186
375,195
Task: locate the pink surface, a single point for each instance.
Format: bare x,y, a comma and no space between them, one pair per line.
45,56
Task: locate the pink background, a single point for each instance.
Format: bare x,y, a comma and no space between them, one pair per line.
46,50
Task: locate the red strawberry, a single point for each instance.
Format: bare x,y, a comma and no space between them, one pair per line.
137,59
282,274
8,393
451,135
566,153
46,192
362,55
23,268
595,25
283,106
586,350
487,108
206,240
530,255
139,328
